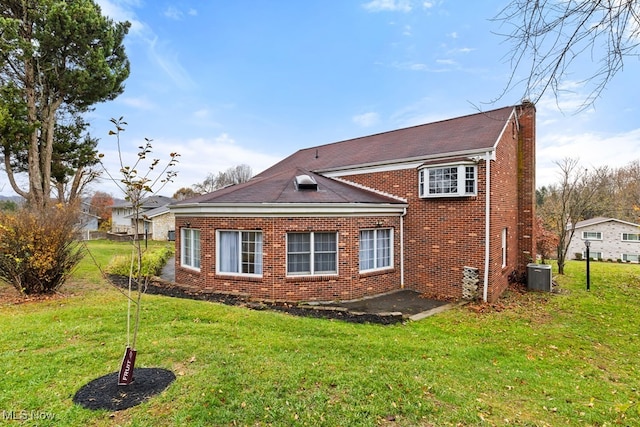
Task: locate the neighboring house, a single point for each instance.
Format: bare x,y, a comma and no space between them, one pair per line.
154,217
87,220
611,239
402,209
160,223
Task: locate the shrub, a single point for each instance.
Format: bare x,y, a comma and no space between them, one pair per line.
578,256
152,263
37,248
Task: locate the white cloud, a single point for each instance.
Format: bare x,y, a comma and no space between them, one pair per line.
138,103
621,149
388,6
198,157
366,119
427,4
173,13
167,61
120,11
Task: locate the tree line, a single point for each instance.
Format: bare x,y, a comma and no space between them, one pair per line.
582,193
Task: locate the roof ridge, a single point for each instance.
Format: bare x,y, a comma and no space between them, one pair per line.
486,113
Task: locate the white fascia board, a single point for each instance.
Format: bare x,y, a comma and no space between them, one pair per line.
412,163
287,209
504,129
588,223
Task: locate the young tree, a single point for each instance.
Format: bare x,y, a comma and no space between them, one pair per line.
136,187
546,241
548,36
53,54
578,196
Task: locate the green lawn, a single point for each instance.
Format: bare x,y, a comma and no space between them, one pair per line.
532,360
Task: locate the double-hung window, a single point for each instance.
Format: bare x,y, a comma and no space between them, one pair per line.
630,237
448,181
376,249
190,247
239,252
312,253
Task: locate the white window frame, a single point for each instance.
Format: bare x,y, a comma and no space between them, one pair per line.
591,235
376,258
312,252
240,256
461,180
190,248
630,258
592,254
625,237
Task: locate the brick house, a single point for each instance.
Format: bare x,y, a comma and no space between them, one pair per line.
611,239
402,209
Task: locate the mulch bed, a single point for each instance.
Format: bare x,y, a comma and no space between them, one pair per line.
105,393
159,286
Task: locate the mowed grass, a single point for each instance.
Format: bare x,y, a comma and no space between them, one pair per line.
533,359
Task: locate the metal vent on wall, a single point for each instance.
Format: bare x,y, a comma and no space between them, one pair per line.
305,182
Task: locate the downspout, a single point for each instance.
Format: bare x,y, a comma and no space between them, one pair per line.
402,248
487,224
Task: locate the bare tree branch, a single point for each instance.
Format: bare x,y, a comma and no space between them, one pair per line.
547,37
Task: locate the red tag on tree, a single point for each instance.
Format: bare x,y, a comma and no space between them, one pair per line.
126,369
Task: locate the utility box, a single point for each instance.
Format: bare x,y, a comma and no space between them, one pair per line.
539,277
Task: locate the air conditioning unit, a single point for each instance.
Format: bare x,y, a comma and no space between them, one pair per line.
539,277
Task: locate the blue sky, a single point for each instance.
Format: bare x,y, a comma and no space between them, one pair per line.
252,81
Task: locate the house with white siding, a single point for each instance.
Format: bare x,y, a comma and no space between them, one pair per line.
610,239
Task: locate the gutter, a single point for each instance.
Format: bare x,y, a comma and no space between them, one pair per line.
402,248
487,224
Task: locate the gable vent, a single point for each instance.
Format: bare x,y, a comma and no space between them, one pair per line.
305,182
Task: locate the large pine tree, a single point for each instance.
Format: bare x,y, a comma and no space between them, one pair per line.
54,55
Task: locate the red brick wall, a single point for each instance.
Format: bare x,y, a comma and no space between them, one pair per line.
274,283
441,235
444,235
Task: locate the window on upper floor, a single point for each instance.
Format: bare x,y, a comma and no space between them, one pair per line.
448,181
312,253
630,237
190,248
239,252
376,249
591,235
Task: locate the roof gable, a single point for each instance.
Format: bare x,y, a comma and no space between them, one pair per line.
600,220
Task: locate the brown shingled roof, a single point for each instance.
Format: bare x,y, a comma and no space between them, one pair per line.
468,134
280,188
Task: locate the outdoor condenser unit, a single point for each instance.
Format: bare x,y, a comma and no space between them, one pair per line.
539,277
